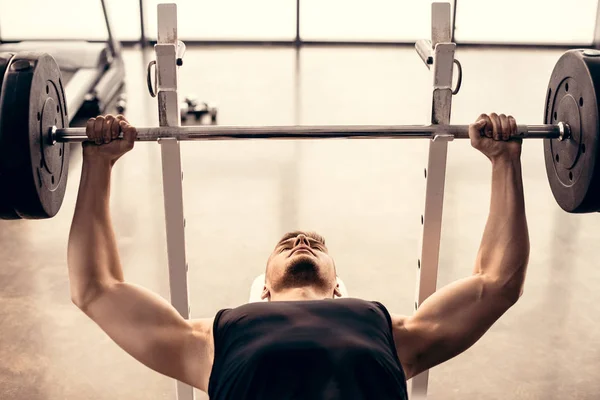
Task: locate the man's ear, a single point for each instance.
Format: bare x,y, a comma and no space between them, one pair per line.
337,292
266,294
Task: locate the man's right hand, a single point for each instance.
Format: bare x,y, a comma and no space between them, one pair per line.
491,134
104,142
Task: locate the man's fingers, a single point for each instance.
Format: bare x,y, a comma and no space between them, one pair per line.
89,128
103,131
121,117
480,124
505,127
114,129
488,129
513,125
478,129
107,128
130,134
98,125
497,127
495,137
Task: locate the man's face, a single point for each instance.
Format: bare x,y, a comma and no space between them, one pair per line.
301,260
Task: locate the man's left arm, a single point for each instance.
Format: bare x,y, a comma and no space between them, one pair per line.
455,317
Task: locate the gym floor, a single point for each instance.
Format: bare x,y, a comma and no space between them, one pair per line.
365,197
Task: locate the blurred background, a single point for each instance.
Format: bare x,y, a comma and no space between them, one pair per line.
549,22
272,62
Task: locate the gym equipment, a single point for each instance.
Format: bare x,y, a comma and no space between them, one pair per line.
571,165
6,209
92,73
192,107
33,153
34,174
182,133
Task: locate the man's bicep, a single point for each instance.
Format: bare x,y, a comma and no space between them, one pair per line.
449,322
150,329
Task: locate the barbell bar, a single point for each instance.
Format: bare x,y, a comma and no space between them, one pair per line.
559,131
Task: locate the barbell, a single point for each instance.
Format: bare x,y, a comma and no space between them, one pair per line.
34,139
65,135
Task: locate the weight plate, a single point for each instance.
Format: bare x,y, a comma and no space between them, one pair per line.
33,102
572,164
6,209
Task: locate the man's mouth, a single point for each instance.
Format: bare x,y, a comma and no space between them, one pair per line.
301,249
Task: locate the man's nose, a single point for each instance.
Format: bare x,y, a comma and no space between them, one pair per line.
301,239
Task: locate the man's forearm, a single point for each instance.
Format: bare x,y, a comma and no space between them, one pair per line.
504,251
92,253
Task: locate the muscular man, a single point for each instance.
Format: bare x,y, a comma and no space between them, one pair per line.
303,343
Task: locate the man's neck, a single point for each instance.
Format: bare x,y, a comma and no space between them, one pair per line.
301,293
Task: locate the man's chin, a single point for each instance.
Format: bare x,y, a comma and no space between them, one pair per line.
302,270
302,263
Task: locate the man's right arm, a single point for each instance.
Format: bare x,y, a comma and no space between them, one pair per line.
142,323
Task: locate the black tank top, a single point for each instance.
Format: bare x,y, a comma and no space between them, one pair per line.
313,350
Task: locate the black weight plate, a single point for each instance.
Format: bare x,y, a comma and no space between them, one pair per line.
6,209
573,165
34,101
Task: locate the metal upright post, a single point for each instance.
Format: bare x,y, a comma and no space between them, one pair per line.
143,39
167,53
454,5
297,40
113,45
442,51
596,39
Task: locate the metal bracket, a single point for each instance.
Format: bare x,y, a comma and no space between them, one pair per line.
180,53
443,138
425,51
443,67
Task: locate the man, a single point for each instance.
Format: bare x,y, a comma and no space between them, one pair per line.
302,343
